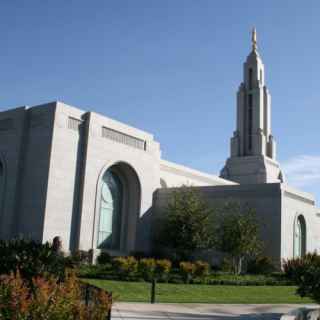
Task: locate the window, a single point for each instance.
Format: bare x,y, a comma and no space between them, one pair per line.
299,245
110,212
250,78
250,116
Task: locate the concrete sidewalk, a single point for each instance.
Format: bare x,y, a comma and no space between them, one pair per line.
163,311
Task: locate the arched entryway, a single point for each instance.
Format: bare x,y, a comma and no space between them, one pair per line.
300,237
118,199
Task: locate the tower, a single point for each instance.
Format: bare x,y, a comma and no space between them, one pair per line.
252,147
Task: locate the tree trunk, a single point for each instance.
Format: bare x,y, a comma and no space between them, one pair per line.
240,265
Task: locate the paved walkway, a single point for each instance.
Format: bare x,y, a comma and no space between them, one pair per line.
162,311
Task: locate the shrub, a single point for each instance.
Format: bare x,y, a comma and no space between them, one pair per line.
125,267
31,258
261,265
296,267
78,258
49,299
187,270
305,273
147,268
98,271
104,258
162,269
226,265
202,269
139,255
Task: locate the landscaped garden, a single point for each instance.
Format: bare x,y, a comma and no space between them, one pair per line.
39,281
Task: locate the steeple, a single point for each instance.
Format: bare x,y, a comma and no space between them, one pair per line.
254,39
253,148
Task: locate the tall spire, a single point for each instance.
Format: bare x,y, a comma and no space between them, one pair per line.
254,39
253,148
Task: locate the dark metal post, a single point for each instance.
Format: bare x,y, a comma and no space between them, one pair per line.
153,291
109,311
86,295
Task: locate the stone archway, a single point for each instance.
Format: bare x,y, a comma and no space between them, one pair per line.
118,208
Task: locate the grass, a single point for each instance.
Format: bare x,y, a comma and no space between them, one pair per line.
192,293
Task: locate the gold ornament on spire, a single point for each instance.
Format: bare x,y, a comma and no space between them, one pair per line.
254,39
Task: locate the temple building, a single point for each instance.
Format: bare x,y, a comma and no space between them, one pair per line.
97,183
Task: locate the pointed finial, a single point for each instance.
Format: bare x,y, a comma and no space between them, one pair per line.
254,39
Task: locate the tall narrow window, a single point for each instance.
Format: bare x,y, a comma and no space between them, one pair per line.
250,78
250,116
260,75
110,212
299,245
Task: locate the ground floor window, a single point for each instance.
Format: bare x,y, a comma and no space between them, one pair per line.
299,245
110,212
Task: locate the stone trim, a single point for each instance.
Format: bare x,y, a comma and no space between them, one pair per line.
298,197
186,174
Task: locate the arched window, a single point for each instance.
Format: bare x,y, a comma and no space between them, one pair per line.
110,211
117,212
299,245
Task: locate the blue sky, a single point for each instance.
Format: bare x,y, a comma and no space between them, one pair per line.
171,68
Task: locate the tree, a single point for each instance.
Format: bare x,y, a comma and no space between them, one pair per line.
187,224
237,234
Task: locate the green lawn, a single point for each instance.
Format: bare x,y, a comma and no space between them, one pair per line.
182,293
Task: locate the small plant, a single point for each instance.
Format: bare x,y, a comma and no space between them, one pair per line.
31,258
187,270
305,273
49,299
125,266
261,265
162,269
104,258
202,269
294,268
78,258
226,265
147,267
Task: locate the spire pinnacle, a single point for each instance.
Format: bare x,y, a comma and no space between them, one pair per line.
254,39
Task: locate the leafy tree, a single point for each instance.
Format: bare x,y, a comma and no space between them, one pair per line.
237,234
187,225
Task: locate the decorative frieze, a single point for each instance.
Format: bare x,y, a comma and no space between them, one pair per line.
123,138
74,124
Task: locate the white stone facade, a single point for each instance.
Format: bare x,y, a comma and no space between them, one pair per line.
252,147
53,159
97,183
